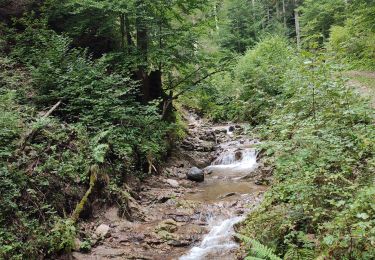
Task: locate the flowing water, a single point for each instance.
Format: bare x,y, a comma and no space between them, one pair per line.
225,185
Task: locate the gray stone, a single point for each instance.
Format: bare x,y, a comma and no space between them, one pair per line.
195,174
102,231
173,183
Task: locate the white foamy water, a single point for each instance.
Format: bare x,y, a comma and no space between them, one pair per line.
216,243
245,159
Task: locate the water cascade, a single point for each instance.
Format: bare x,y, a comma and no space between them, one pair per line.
225,178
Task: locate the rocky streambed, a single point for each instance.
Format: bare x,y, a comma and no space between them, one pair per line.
187,212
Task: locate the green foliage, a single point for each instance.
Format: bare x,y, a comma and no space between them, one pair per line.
260,74
99,121
9,123
320,136
353,43
318,17
352,231
243,23
56,158
251,87
62,236
258,250
91,96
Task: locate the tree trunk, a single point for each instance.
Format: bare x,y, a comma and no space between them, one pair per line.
142,49
127,32
216,17
298,31
277,10
142,34
284,14
122,29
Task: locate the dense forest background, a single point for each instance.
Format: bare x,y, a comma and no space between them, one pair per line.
90,93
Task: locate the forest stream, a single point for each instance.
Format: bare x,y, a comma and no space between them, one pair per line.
176,218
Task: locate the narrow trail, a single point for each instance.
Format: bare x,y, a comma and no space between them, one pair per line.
364,83
175,218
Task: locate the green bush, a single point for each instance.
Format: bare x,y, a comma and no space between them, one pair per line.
250,89
99,122
260,76
352,46
320,138
353,42
91,95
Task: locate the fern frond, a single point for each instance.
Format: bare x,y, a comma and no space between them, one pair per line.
259,249
253,258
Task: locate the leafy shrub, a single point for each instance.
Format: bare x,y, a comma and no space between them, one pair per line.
260,74
10,122
351,233
317,17
55,158
351,46
321,139
258,250
90,95
353,42
251,88
98,123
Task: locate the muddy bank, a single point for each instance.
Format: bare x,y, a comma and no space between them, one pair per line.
173,215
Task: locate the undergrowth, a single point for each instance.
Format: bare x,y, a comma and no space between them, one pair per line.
319,138
45,161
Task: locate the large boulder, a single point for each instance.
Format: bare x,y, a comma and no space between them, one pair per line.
195,174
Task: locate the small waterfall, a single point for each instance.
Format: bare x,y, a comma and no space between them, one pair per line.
219,240
245,158
218,243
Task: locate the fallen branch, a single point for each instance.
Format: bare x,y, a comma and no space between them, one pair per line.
52,109
80,206
31,132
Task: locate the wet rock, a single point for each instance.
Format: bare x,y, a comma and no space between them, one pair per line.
209,136
135,210
262,181
238,155
230,194
102,231
112,215
181,165
163,198
187,145
208,171
173,183
181,176
195,174
240,212
131,237
219,131
168,225
179,243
